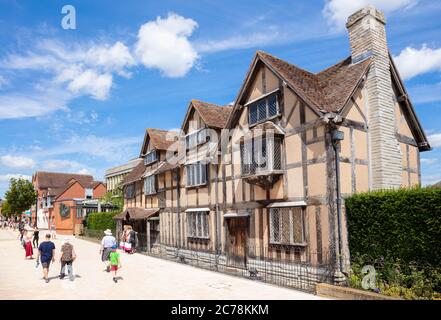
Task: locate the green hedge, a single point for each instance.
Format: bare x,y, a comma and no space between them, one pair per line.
101,220
402,224
399,233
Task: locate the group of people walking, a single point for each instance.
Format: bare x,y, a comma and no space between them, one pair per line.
29,240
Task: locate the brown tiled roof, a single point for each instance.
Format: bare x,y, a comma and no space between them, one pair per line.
58,180
327,90
213,115
158,138
135,174
136,213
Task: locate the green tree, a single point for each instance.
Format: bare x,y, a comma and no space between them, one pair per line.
20,196
6,210
115,198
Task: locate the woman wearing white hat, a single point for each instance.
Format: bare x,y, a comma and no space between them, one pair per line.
107,243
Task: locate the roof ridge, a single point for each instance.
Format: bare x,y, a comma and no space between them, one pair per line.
284,61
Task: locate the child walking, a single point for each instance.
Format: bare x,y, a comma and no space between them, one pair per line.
115,262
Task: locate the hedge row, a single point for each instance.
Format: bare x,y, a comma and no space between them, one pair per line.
101,220
402,225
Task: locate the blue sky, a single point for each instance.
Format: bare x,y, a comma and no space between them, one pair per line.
80,100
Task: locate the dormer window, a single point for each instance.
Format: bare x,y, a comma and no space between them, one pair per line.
89,193
196,138
150,157
263,109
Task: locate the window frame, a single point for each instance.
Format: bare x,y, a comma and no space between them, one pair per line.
200,139
153,191
131,194
281,225
155,158
196,219
248,150
256,102
191,172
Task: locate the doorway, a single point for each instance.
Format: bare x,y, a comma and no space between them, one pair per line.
236,245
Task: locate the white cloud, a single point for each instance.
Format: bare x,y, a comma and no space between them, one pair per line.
163,44
17,162
412,62
425,93
55,164
429,161
3,82
9,176
337,12
435,140
84,171
240,42
116,149
92,83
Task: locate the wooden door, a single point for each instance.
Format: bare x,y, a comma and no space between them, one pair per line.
237,242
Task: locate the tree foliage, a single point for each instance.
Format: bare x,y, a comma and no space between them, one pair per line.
6,210
114,198
20,196
101,220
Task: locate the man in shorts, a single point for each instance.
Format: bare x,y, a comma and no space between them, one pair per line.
46,253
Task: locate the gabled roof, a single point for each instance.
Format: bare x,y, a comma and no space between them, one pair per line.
56,180
409,111
160,139
214,116
135,174
328,90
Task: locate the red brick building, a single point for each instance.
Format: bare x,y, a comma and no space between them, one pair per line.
60,197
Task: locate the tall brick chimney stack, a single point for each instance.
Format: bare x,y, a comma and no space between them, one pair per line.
367,37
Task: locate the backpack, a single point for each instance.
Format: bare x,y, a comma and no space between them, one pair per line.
66,250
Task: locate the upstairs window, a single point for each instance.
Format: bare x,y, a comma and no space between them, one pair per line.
150,157
261,155
196,174
286,226
263,109
89,193
129,191
196,138
149,185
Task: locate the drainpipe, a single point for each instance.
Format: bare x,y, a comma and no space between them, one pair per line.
338,136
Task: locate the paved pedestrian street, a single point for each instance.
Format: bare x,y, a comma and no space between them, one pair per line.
143,278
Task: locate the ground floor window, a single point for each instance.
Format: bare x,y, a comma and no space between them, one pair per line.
197,224
286,226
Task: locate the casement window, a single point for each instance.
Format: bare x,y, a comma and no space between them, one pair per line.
261,155
150,157
196,138
196,174
198,225
286,226
149,185
129,191
263,109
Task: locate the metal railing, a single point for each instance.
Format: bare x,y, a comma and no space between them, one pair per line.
287,266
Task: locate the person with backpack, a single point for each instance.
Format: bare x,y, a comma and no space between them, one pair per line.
67,258
46,252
